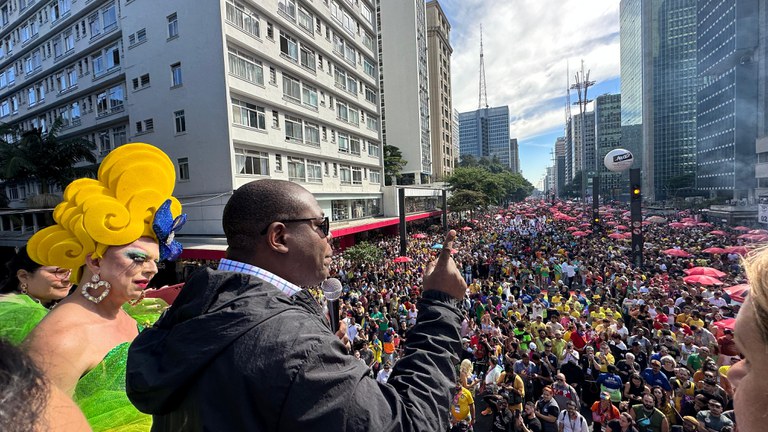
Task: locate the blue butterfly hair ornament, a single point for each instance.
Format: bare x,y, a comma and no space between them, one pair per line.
165,227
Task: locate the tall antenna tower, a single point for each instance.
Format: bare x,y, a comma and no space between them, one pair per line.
567,93
482,100
582,85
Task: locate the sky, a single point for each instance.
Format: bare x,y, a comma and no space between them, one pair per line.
527,47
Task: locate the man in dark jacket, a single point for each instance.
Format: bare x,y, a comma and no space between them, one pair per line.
245,348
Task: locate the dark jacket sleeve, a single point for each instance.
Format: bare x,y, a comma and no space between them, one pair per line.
415,398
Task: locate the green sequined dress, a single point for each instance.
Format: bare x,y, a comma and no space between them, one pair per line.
19,314
100,393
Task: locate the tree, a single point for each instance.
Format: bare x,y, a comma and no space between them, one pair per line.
364,252
393,164
463,200
467,161
42,156
572,189
495,188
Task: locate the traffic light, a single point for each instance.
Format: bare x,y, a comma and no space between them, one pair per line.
636,192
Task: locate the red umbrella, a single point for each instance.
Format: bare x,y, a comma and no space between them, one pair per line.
617,236
701,279
402,259
741,250
621,227
714,250
758,231
419,236
742,228
717,232
585,225
738,292
677,225
704,224
466,228
571,228
706,271
579,233
677,253
728,323
657,219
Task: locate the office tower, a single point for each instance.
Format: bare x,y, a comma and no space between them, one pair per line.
440,107
726,112
485,133
560,165
658,88
514,156
404,85
607,138
231,91
568,154
455,134
761,148
587,139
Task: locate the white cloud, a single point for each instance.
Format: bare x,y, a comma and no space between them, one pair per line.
526,44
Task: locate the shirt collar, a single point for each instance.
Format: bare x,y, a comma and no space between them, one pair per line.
283,285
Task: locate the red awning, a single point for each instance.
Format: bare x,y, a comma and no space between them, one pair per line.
381,224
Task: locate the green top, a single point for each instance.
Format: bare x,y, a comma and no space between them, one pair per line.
19,314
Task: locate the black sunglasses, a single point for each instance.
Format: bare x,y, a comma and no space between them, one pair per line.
325,225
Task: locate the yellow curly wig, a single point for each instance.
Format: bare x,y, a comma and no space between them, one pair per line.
115,209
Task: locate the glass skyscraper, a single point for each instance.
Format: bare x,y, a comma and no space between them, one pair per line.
659,85
485,133
607,138
727,97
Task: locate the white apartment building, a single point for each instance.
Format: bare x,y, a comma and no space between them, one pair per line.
404,83
232,91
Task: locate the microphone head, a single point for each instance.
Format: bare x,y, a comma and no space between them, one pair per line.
331,288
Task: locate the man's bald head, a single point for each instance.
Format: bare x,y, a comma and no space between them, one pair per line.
257,204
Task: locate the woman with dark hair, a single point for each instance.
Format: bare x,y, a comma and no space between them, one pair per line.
27,294
635,388
625,423
664,405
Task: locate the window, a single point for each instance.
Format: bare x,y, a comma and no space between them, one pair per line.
287,7
249,115
291,88
173,26
106,61
314,171
147,125
69,41
278,163
5,108
306,20
176,75
374,176
343,143
368,41
345,81
180,121
348,23
138,37
345,174
372,123
311,134
354,146
357,175
94,25
245,67
373,149
370,94
272,76
296,169
289,47
31,95
342,111
58,47
183,168
367,14
110,101
251,162
294,129
309,96
75,111
368,67
354,116
242,18
109,15
141,82
307,58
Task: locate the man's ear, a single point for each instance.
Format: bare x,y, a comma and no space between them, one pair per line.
93,264
277,238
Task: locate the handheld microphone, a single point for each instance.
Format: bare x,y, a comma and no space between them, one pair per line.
332,290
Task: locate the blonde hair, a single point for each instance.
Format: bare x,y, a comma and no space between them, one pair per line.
115,209
466,367
756,268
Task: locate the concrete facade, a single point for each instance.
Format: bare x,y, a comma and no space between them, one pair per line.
285,90
440,103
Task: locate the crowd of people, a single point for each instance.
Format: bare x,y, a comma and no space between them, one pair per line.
528,320
554,321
